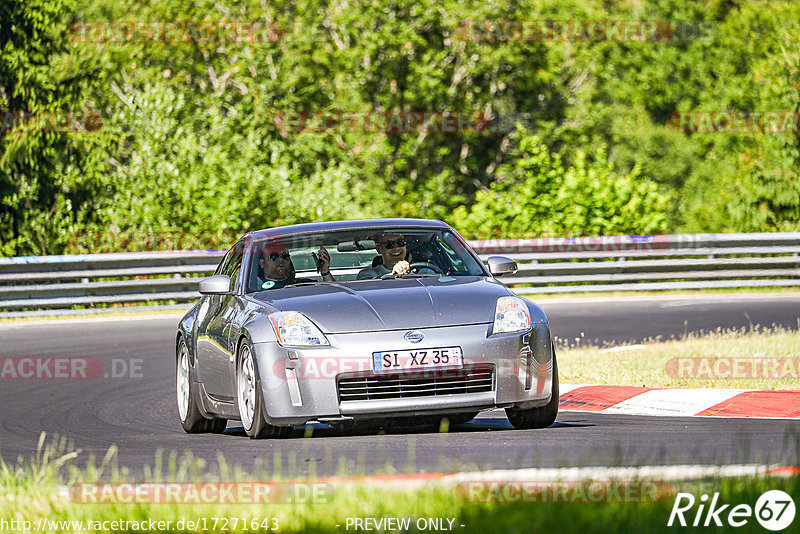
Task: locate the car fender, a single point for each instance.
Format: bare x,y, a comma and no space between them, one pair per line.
541,342
537,313
257,327
187,329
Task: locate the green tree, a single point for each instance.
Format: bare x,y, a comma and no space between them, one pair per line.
49,181
193,139
538,195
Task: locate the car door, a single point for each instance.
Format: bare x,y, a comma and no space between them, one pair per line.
214,352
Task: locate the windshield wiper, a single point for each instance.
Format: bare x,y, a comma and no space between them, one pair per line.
392,276
308,283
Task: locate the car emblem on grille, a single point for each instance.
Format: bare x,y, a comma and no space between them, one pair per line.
415,336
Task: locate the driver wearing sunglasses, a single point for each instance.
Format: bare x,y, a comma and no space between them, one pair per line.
392,248
276,269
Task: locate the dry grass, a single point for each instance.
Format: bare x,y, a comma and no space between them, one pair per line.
763,359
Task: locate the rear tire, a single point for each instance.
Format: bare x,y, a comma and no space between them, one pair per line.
542,416
250,399
192,420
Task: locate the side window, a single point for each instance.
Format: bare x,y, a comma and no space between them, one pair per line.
232,264
458,263
223,262
462,260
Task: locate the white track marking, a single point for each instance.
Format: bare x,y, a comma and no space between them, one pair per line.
673,402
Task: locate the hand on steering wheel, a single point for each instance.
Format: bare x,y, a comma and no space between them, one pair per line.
425,265
401,267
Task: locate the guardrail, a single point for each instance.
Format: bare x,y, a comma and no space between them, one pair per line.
650,263
550,265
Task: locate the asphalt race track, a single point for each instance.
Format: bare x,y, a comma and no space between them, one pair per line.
635,319
133,406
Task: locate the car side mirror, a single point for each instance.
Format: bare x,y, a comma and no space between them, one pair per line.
218,284
501,265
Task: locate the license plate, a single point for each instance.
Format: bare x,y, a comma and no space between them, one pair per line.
406,360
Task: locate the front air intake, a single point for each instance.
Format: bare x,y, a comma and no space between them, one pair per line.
428,384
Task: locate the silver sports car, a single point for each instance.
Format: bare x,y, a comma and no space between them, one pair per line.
342,322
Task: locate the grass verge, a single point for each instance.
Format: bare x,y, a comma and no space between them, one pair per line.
766,359
32,494
105,313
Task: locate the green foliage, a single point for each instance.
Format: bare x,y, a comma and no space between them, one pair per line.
49,180
724,56
751,183
192,140
539,195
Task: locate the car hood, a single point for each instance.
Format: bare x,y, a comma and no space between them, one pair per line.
391,304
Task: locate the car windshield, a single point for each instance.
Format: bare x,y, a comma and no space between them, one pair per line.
354,255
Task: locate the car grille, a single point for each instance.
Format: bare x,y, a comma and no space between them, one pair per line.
428,384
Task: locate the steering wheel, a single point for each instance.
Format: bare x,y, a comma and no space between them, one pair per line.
426,265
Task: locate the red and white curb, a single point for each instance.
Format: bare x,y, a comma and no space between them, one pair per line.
631,400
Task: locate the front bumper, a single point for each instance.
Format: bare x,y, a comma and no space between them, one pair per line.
300,385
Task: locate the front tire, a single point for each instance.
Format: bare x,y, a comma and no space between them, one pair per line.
192,420
250,400
542,416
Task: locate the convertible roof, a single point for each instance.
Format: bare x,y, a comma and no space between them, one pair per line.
345,225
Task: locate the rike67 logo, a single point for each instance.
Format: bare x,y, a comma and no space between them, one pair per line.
774,510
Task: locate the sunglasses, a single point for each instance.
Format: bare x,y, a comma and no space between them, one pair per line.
275,255
394,244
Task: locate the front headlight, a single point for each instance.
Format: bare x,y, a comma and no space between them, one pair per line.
511,315
296,330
